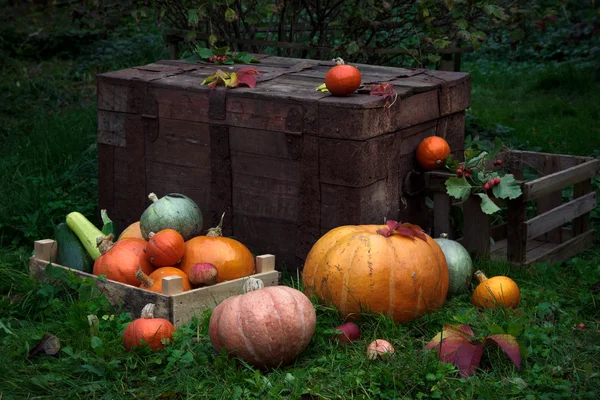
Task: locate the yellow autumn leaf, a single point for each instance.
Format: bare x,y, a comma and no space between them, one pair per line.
233,81
322,88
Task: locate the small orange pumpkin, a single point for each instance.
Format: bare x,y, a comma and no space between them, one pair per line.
148,329
132,231
153,281
121,260
499,291
165,248
432,152
231,257
343,79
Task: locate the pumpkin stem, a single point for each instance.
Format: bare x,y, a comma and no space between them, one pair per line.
480,276
145,279
148,311
105,243
338,61
218,230
151,234
153,197
443,236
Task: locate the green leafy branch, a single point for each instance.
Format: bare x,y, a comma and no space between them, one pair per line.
473,177
221,55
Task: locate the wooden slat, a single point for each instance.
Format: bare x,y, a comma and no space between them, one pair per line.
516,248
45,249
476,227
535,160
551,200
441,215
191,303
560,215
265,263
581,224
130,298
560,180
567,249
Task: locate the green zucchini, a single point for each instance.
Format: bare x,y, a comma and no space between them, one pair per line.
87,232
71,252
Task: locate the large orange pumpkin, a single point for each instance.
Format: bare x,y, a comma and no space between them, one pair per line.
231,257
153,281
266,327
132,231
343,79
375,268
147,329
432,152
120,261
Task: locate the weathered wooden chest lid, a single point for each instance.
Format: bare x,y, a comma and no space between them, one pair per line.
285,98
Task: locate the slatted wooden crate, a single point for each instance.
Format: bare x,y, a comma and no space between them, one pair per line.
543,238
173,304
285,162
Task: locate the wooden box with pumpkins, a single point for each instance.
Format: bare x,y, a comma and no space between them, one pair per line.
162,259
283,159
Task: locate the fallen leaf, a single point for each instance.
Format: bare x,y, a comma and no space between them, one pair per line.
322,88
49,345
509,344
468,357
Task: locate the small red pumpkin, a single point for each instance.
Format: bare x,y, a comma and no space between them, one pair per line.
165,248
121,260
148,329
153,281
343,79
432,152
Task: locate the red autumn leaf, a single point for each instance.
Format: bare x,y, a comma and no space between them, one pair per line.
509,344
467,358
463,332
411,230
384,90
248,70
392,225
246,79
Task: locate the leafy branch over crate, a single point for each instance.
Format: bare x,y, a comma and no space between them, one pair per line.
474,176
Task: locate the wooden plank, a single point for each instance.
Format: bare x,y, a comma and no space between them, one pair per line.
106,182
566,250
188,304
550,201
221,193
127,298
498,232
441,215
582,223
560,180
354,163
182,143
516,235
558,216
111,128
476,227
535,159
261,142
45,249
498,250
172,285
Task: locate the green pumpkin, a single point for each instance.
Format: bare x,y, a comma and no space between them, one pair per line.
460,265
173,211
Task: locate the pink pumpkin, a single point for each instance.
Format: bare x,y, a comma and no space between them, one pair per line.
266,327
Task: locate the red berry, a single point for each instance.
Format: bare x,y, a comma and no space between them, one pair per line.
498,162
211,59
486,186
224,58
580,326
497,181
459,172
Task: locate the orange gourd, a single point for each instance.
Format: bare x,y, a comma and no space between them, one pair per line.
165,248
148,329
121,260
432,152
153,281
132,231
364,267
499,291
232,258
343,79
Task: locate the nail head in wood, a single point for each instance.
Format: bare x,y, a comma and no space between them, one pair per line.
172,285
265,263
45,249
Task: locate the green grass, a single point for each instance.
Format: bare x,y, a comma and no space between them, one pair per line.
48,168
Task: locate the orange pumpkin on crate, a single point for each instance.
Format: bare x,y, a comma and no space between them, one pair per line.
232,258
121,260
432,152
394,269
153,282
343,79
165,247
132,231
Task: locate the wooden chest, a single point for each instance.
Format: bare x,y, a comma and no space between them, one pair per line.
284,161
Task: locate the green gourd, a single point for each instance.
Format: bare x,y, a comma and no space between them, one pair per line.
460,265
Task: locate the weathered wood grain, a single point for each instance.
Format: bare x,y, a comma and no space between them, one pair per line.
559,180
265,263
554,218
517,234
441,215
582,224
106,182
476,227
566,250
550,201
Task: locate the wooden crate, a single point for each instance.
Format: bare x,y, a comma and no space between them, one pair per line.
285,162
173,304
543,238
